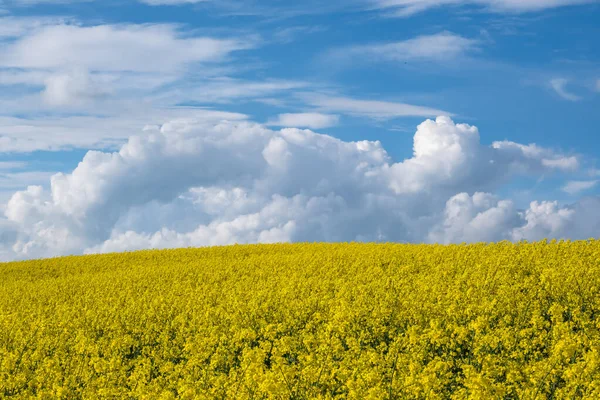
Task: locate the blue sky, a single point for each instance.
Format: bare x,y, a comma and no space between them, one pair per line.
79,76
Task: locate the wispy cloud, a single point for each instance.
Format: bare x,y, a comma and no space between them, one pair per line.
96,69
281,10
140,48
559,85
227,89
289,34
305,120
9,165
170,2
369,108
442,46
405,8
56,133
575,187
14,180
14,27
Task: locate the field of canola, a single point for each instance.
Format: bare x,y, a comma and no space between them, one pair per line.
355,321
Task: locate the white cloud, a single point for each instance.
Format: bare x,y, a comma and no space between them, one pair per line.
447,156
546,219
47,133
139,48
107,70
14,27
170,2
404,8
120,94
74,87
531,156
191,183
369,108
305,120
289,34
33,2
574,187
4,165
439,47
225,90
483,217
22,77
13,178
559,85
478,218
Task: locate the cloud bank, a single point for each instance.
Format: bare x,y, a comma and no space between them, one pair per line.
193,183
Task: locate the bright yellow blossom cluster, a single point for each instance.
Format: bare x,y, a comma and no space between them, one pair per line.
306,321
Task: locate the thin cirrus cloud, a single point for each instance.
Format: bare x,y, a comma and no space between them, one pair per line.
575,187
171,2
4,165
149,2
57,133
441,46
226,89
305,120
405,8
375,109
559,85
13,27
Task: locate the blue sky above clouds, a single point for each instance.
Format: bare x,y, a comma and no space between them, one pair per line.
164,123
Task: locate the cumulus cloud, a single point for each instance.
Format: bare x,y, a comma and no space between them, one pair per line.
191,183
13,177
478,218
484,217
404,8
305,120
559,85
547,219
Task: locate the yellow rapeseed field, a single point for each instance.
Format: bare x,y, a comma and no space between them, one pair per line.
304,321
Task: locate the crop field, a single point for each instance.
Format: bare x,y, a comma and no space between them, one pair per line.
305,321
